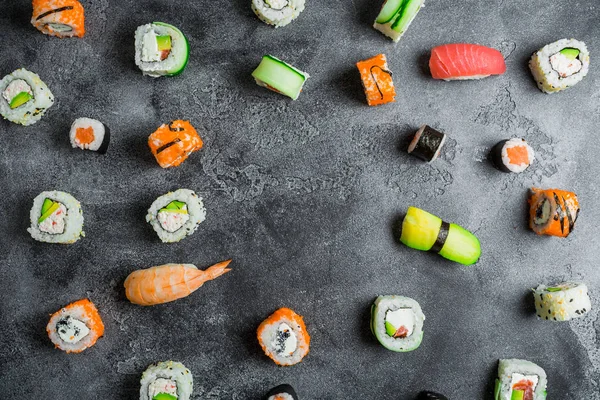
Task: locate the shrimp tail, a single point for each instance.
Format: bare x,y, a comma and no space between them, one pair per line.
218,269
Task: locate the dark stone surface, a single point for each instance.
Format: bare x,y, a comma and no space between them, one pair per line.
303,196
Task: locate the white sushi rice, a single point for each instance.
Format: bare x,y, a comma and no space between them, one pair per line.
166,371
517,142
380,309
146,50
77,316
544,61
33,110
277,12
507,369
562,302
285,352
195,209
73,221
97,127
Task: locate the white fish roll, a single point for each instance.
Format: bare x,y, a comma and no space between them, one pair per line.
560,65
277,12
166,380
176,215
562,302
24,97
56,217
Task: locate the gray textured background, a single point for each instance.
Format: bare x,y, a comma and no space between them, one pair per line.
303,196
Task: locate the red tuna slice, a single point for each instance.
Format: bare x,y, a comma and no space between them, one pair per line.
465,61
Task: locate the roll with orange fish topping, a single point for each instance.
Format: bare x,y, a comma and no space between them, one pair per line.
283,337
172,143
553,212
377,80
75,327
61,18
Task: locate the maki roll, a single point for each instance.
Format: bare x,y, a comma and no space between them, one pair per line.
25,98
520,380
377,81
282,392
56,217
160,49
172,143
89,134
553,212
560,65
61,18
431,396
397,323
427,144
562,302
283,337
166,380
280,77
395,17
424,231
176,215
277,12
512,155
75,327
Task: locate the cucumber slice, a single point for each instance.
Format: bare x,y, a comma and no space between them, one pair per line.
389,10
49,212
164,396
406,15
461,246
570,52
497,390
46,206
420,229
280,76
20,99
517,395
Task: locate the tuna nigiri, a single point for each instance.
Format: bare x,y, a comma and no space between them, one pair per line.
465,61
169,282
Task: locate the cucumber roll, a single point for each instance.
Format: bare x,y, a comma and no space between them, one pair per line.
520,380
161,49
277,12
562,302
424,231
560,65
166,380
395,17
279,77
24,97
427,144
176,215
56,217
397,323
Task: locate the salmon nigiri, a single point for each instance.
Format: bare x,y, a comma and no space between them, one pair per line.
465,61
169,282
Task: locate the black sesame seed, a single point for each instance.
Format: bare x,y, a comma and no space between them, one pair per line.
555,318
546,317
570,301
549,311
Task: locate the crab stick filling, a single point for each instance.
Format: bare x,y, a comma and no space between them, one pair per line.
400,323
53,216
565,62
173,216
155,47
523,386
285,341
162,389
17,93
71,330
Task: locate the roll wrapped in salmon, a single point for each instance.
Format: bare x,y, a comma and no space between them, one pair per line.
553,212
75,327
283,337
60,18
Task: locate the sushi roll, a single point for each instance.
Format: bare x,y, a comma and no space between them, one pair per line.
562,302
560,65
172,143
56,217
520,380
176,215
161,49
395,17
75,327
512,155
397,323
25,98
424,231
281,392
89,134
553,212
279,77
166,380
60,18
283,337
277,12
377,81
460,61
427,143
431,396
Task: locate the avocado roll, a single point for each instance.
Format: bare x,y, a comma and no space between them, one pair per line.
279,77
282,392
520,380
166,380
75,327
424,231
427,143
89,134
512,155
431,396
161,49
397,323
25,97
395,17
553,212
562,302
560,65
176,215
277,12
56,217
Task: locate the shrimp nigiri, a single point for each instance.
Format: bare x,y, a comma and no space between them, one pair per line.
169,282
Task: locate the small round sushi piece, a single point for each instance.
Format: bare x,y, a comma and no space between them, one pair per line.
562,302
75,327
89,134
283,337
24,97
553,212
277,12
176,215
282,392
166,380
61,18
56,217
512,155
161,49
560,65
520,380
427,144
172,143
397,323
431,396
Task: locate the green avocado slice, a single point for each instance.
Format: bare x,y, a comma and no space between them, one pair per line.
176,207
163,42
389,10
406,15
49,211
20,99
46,206
570,52
164,396
517,395
390,329
553,289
